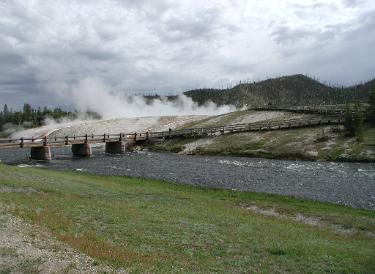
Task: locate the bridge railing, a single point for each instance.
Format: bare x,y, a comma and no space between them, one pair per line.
241,127
189,132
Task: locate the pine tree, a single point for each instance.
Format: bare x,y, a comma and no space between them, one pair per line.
358,121
349,121
371,110
353,122
6,111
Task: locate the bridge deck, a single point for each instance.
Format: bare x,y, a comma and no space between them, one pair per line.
189,132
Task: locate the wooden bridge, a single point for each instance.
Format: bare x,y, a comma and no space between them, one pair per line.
119,143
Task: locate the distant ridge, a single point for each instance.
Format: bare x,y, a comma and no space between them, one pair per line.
284,91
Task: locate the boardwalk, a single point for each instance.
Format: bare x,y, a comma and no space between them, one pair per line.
183,133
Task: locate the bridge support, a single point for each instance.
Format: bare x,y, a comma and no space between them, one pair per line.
129,145
41,153
81,150
117,147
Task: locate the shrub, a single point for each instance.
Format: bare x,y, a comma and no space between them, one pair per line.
323,137
353,123
371,110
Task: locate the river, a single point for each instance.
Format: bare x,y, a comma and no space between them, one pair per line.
351,184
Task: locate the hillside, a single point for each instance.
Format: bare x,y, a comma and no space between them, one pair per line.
283,91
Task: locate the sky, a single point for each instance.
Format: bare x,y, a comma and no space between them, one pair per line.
48,48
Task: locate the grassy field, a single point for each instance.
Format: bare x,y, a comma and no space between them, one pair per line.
155,226
319,143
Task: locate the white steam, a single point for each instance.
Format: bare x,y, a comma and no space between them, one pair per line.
93,95
49,126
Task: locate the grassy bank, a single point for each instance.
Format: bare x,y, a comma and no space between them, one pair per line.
156,226
320,143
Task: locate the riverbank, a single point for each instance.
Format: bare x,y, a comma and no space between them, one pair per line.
326,143
348,184
154,226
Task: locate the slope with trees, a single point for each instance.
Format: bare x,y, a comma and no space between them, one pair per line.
30,117
284,91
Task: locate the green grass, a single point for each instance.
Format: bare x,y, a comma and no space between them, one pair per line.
171,145
369,135
233,144
154,226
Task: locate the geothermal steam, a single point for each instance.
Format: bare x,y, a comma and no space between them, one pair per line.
93,95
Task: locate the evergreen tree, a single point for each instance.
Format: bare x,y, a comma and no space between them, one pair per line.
30,117
353,122
5,111
358,121
371,110
349,121
27,111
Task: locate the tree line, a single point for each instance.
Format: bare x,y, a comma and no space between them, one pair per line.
29,117
284,91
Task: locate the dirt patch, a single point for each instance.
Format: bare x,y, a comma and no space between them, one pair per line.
312,153
25,248
370,153
191,147
307,220
329,144
266,212
9,189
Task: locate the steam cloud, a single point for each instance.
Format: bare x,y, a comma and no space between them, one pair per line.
93,95
49,126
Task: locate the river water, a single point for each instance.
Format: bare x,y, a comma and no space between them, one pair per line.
351,184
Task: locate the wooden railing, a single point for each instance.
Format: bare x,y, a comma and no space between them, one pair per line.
66,140
190,132
246,127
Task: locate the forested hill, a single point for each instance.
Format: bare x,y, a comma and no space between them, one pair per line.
284,91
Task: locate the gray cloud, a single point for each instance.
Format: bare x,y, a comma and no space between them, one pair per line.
169,46
334,54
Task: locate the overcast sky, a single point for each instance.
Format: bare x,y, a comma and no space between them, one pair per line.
48,47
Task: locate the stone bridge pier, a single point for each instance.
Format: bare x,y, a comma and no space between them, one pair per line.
81,150
116,147
40,153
